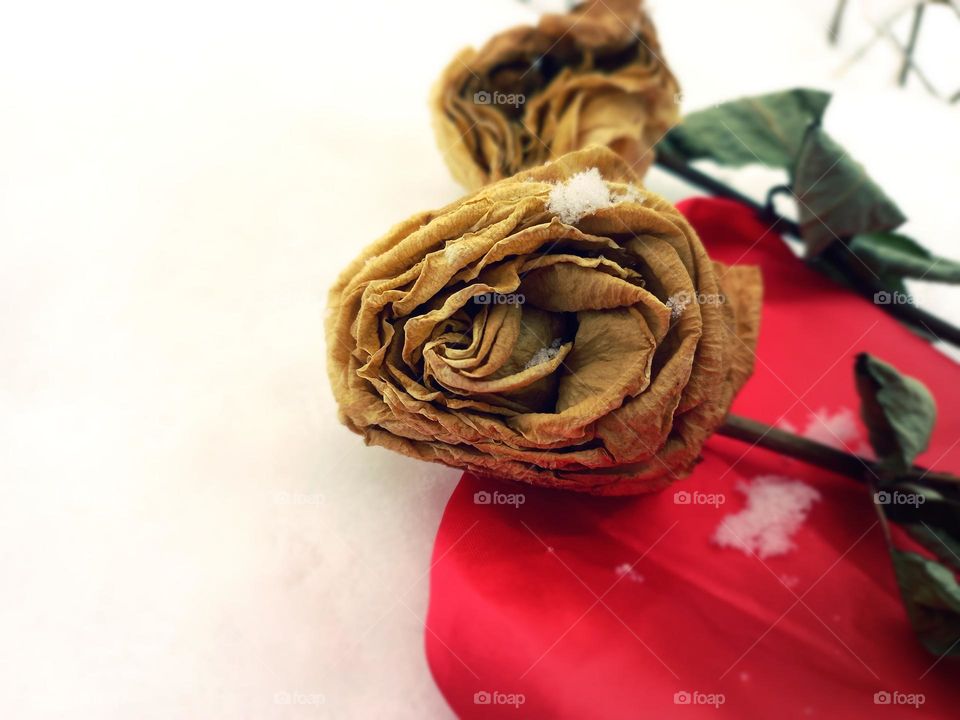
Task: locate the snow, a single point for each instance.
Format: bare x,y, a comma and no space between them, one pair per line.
585,193
626,571
840,429
582,194
630,194
544,354
776,508
677,303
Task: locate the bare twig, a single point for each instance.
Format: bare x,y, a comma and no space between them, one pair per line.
911,43
833,33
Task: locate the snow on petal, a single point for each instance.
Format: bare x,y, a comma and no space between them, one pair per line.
582,194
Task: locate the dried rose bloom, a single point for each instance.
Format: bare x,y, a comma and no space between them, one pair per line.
593,76
563,327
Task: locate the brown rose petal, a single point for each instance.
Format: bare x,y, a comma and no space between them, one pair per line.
596,354
595,75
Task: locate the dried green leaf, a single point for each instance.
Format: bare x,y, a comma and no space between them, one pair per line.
938,541
901,256
898,410
891,284
928,587
836,198
763,129
932,596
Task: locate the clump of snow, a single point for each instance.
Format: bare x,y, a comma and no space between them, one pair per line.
631,194
583,194
788,426
677,303
838,429
625,570
544,354
776,508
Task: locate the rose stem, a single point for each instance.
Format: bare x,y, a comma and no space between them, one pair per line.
823,456
838,254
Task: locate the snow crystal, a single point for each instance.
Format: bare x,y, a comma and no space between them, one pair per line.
677,303
544,354
838,429
776,508
583,194
631,194
788,426
625,570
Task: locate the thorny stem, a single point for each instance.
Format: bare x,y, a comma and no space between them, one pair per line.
824,456
838,253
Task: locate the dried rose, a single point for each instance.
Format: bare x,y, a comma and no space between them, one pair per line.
562,327
593,76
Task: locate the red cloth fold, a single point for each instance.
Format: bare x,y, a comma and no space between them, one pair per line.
545,604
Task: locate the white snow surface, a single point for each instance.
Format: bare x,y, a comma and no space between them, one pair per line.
186,529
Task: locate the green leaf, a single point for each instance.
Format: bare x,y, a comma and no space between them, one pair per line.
898,410
938,541
836,198
899,255
891,283
929,588
932,596
763,129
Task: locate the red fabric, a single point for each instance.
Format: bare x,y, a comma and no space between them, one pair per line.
527,601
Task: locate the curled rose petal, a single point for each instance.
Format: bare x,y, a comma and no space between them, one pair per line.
596,352
594,76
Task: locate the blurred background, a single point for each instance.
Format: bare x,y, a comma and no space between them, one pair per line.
186,531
